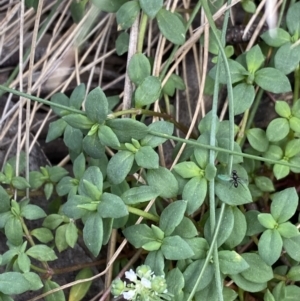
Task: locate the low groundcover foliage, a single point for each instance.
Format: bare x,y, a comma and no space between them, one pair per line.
200,235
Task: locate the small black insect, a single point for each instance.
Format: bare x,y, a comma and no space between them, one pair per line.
235,180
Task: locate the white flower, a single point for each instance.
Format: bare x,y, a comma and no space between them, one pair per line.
131,275
146,283
129,295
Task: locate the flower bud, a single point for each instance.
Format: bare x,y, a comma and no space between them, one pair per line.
159,285
117,287
143,271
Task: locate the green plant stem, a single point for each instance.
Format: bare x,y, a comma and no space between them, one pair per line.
110,116
280,277
252,114
143,26
212,141
143,214
26,231
206,146
219,284
212,204
229,83
41,100
241,294
21,194
29,238
38,269
255,239
241,134
209,254
145,112
26,55
167,103
282,9
135,111
297,84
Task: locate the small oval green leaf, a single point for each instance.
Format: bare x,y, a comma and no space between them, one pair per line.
127,14
171,26
148,91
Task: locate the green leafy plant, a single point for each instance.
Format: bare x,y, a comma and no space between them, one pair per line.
193,223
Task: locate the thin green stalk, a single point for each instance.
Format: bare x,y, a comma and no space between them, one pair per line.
38,269
297,84
214,116
205,146
31,241
143,26
219,284
254,108
280,277
252,114
282,9
218,149
142,213
292,2
135,111
209,253
241,294
229,83
41,100
221,58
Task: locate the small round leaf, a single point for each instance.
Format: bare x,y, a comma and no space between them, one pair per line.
171,26
278,129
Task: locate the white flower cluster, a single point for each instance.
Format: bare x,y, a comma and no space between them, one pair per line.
144,286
